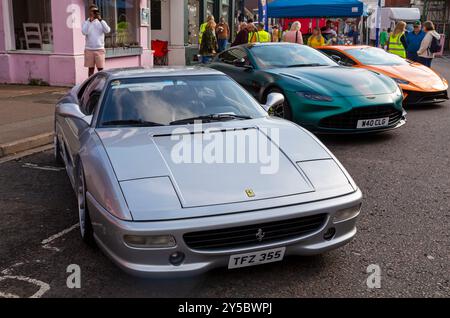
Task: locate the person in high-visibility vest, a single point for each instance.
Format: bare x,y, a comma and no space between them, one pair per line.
263,35
203,28
253,35
397,43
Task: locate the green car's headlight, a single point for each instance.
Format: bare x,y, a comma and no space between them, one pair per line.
315,97
400,81
398,91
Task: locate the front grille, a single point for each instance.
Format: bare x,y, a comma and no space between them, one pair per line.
425,98
256,234
349,120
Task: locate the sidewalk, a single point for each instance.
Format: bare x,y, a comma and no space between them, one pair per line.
26,116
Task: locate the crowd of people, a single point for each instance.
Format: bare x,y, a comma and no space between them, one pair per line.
419,45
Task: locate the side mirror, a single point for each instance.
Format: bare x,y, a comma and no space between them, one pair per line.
73,111
273,99
337,59
241,63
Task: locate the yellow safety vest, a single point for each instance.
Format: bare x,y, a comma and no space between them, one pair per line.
395,45
264,36
253,37
202,30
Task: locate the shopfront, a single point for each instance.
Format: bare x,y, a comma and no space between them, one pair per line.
41,40
178,22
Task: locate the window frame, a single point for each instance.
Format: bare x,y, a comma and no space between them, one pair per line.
10,34
85,90
119,51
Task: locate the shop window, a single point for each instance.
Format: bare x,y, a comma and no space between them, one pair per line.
226,10
123,18
193,21
156,14
209,8
32,25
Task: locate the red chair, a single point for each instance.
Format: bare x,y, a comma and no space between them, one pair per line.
161,51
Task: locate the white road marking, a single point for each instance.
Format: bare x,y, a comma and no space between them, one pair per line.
43,287
7,295
58,235
45,168
51,248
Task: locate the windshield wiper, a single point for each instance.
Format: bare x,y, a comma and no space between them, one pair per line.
307,65
131,122
210,118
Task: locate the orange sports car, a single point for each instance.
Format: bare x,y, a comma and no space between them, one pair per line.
420,84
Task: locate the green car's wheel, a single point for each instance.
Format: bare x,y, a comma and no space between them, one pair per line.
282,110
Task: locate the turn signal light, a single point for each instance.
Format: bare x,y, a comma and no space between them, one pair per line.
154,241
347,214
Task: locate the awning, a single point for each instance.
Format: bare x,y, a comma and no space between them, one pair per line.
315,8
404,14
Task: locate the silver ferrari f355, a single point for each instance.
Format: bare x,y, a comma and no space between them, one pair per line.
179,170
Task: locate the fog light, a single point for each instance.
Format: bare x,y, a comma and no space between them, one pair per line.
329,234
347,214
176,258
154,241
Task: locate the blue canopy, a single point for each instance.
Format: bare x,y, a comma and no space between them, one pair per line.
315,8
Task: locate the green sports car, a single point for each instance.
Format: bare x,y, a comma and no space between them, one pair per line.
320,95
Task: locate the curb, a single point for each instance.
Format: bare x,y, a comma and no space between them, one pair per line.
25,144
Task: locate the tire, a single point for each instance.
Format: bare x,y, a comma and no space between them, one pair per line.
57,151
86,230
283,110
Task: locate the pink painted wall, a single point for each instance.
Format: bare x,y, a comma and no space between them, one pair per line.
65,66
2,30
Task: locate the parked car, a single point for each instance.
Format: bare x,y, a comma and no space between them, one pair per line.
420,84
155,215
319,94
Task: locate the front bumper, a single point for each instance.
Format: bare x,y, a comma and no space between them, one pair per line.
342,114
414,98
109,232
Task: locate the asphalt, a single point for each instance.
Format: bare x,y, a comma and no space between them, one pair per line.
26,111
404,228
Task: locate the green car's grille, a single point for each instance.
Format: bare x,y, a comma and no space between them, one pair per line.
349,120
256,234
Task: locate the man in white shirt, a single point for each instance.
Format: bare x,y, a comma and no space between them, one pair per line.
95,29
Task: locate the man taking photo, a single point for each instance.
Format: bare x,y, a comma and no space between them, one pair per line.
95,29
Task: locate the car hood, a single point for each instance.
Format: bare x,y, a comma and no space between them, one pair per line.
337,81
160,179
417,74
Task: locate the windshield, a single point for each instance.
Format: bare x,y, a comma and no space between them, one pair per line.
168,100
273,56
376,56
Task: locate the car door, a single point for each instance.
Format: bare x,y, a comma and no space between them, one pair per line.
88,100
243,73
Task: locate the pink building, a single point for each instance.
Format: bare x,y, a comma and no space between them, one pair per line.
41,40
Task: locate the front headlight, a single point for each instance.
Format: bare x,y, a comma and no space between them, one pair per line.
398,91
315,97
400,81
